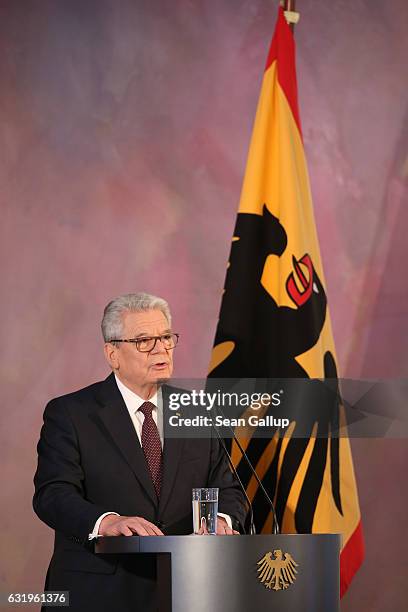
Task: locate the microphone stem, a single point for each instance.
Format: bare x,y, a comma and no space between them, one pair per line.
252,529
275,528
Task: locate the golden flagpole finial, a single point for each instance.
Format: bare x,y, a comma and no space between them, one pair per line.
292,17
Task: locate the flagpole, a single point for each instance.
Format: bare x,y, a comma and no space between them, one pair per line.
292,17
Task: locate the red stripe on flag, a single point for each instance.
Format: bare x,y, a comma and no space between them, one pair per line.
351,558
283,50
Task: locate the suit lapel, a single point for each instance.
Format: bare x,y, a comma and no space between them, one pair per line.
116,420
171,455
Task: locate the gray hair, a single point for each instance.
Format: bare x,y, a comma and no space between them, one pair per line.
112,320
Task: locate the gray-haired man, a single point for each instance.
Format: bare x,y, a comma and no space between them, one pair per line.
105,467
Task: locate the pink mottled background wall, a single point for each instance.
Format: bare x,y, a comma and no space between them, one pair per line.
124,129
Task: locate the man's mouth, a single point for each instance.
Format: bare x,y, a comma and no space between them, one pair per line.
160,365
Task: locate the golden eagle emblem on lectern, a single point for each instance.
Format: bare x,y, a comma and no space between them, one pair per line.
277,572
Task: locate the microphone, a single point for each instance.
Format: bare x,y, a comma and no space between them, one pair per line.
252,530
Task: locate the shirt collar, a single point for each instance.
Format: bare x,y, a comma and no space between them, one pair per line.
132,400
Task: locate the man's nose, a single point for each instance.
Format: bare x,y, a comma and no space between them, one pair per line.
158,347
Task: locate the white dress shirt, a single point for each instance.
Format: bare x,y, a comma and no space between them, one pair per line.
133,403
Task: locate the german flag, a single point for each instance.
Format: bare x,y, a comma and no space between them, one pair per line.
274,321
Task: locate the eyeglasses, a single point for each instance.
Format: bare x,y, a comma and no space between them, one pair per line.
145,345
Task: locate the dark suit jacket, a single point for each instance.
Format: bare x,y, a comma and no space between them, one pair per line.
89,462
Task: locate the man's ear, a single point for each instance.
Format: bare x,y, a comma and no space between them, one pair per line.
111,355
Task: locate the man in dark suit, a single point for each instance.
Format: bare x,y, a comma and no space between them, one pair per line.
106,468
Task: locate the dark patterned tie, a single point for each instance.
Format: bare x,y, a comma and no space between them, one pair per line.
152,446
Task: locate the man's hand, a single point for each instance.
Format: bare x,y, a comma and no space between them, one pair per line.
222,528
113,525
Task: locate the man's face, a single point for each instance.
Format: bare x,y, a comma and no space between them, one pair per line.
141,371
